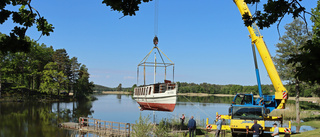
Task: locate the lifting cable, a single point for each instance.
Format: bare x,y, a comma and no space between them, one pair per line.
156,7
198,107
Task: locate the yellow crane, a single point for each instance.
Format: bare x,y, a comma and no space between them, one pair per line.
241,115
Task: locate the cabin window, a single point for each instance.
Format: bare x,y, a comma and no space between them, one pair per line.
149,90
156,88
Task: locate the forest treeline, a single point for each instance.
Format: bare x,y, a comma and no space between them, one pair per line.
185,87
43,70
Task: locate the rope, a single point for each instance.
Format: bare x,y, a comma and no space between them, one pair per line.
156,5
198,107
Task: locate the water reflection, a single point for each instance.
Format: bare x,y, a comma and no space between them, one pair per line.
204,99
38,119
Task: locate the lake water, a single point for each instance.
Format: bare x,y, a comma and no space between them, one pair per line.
36,119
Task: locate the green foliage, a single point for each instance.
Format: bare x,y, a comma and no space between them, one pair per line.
142,128
290,44
83,86
25,17
101,88
133,86
44,70
222,89
308,90
310,59
162,129
119,88
127,7
274,11
52,79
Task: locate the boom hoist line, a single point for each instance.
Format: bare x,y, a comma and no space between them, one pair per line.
281,93
155,64
164,64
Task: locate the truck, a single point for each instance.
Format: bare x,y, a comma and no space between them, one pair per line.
245,108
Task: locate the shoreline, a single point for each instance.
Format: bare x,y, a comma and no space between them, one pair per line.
312,99
112,92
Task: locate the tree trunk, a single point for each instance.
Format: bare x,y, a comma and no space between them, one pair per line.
297,102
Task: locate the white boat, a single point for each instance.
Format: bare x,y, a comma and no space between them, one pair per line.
159,97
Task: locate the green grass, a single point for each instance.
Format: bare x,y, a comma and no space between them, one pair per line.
290,113
312,133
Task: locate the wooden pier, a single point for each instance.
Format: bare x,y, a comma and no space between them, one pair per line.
99,127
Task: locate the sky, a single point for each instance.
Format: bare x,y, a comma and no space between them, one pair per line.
206,40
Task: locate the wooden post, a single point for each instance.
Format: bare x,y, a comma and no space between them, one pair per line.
128,129
119,128
111,127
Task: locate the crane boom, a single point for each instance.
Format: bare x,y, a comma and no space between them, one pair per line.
281,94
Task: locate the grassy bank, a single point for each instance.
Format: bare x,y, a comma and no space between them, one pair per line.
290,113
312,133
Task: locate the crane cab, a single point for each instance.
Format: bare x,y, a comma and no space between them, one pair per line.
243,99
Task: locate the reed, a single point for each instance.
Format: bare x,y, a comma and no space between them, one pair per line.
290,113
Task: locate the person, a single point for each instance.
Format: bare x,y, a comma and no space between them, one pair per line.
219,123
256,129
182,121
191,126
276,131
223,132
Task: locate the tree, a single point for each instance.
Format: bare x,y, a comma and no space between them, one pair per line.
119,88
25,17
309,71
83,86
52,79
61,57
273,10
133,86
295,37
75,66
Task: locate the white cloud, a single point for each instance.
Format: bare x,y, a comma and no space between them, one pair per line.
108,76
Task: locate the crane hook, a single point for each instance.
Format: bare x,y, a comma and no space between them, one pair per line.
155,40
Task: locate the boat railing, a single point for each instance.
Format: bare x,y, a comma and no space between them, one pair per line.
158,88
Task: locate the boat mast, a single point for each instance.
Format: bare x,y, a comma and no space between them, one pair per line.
155,67
144,74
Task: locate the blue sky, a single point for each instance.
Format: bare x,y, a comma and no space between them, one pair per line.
207,40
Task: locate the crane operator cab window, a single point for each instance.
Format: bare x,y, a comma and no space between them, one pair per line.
244,112
243,99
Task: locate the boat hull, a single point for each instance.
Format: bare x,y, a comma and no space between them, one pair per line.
157,106
150,99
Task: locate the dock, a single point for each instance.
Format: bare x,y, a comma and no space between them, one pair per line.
99,127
